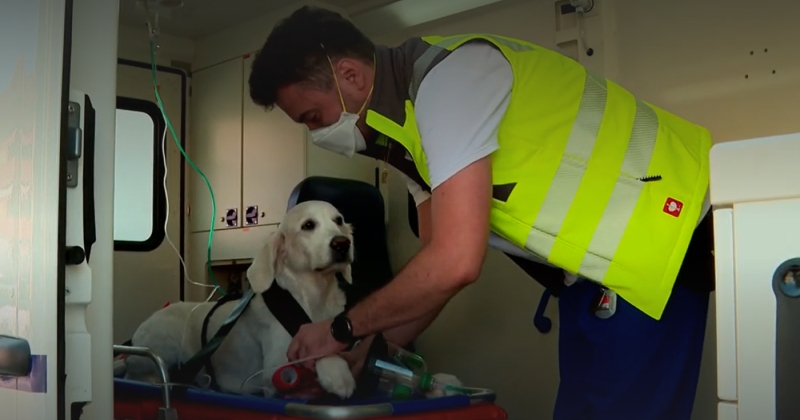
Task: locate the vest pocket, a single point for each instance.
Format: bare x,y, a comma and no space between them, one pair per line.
502,192
616,215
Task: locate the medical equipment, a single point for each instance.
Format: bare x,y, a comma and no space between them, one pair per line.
397,373
153,32
276,369
166,223
755,194
394,371
292,378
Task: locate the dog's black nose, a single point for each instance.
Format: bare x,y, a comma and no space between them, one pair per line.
340,246
340,243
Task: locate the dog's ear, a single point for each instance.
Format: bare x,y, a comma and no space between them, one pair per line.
267,263
348,270
348,274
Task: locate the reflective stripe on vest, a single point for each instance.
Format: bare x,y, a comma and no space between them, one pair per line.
572,186
575,160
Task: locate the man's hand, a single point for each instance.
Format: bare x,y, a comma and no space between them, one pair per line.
313,340
356,357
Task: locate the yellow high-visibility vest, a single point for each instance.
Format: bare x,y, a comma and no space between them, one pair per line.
587,176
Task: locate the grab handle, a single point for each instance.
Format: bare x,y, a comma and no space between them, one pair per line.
15,356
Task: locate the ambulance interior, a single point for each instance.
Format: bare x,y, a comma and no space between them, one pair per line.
729,66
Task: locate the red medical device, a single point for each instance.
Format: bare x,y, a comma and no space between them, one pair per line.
292,378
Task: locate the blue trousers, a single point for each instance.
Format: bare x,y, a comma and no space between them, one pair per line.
629,366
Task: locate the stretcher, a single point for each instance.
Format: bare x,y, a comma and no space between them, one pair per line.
134,400
142,401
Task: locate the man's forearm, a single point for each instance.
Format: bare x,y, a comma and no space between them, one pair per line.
423,287
408,332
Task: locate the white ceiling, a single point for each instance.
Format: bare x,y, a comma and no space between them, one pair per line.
197,18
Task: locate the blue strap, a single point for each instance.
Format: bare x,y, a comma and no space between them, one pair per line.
541,322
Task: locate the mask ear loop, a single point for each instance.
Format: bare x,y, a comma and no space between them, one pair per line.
371,88
335,80
339,89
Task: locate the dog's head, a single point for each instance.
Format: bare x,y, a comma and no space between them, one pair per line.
312,238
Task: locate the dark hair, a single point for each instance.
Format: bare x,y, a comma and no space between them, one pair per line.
294,52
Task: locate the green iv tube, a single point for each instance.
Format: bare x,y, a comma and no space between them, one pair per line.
191,163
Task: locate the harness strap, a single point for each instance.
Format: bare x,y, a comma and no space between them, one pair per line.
285,308
347,289
223,300
187,372
204,334
278,300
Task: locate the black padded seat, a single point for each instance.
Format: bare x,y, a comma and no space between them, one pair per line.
361,204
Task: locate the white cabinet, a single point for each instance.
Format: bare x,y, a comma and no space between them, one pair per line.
252,157
229,245
216,146
273,158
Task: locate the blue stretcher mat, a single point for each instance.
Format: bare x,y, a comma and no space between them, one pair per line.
326,408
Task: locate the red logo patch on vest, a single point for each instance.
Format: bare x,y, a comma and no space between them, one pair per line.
673,207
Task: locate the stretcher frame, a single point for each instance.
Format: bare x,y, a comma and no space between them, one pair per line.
292,408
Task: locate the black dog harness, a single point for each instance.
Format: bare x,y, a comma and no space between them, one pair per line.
279,301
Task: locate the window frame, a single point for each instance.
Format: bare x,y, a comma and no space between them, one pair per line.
159,214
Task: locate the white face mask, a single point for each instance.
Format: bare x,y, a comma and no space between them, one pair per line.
343,136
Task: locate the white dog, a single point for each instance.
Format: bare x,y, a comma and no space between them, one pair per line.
311,245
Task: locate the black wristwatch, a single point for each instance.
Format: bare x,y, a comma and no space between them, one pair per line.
342,329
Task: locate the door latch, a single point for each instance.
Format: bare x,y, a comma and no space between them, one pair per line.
74,143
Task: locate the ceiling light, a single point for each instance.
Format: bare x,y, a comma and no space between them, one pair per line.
407,13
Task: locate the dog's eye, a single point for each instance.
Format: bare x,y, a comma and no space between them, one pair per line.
339,221
308,225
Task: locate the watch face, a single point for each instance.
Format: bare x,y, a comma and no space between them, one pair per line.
341,329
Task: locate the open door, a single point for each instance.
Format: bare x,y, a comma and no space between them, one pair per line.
34,80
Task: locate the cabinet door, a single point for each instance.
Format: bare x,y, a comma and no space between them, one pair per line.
274,159
216,144
237,246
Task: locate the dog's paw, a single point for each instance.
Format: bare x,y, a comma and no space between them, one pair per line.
335,377
444,379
